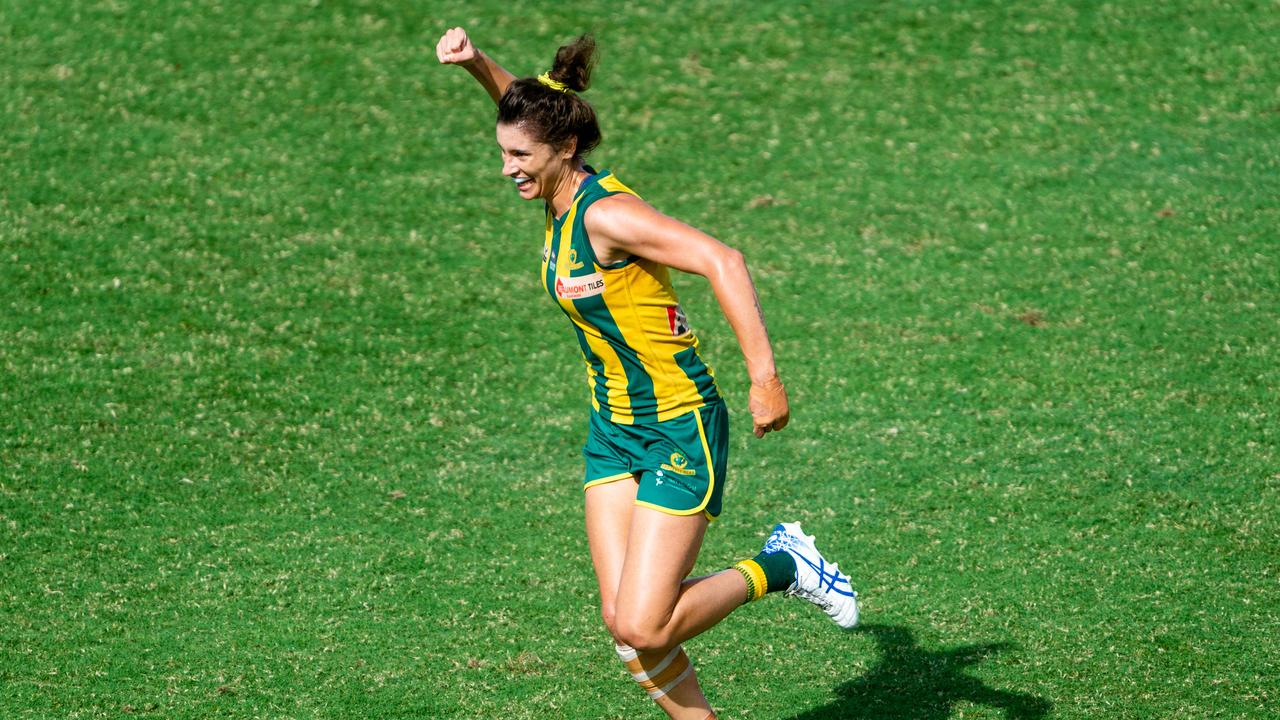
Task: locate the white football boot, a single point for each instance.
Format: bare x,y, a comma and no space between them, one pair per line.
818,581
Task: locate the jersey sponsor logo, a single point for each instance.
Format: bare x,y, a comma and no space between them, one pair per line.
678,464
677,321
576,288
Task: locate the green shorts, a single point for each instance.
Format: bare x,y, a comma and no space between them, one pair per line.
679,463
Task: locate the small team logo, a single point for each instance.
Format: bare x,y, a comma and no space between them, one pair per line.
679,464
573,259
677,321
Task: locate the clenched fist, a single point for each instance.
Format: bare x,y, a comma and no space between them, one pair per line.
455,48
768,404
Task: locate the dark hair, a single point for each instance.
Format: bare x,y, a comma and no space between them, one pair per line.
554,116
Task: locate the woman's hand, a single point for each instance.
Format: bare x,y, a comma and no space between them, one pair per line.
455,48
768,404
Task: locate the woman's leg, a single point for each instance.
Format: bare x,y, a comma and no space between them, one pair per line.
608,515
656,608
610,509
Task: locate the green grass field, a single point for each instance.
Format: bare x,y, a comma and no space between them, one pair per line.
288,429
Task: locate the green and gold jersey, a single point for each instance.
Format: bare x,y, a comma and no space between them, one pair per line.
642,360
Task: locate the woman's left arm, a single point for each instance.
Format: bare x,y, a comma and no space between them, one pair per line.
623,225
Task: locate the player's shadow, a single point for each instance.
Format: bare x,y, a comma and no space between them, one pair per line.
911,682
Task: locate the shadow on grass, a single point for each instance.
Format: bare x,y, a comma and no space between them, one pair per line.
911,682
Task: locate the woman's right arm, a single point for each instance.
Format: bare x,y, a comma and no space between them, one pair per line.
455,48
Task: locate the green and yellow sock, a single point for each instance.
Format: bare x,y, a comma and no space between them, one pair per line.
766,573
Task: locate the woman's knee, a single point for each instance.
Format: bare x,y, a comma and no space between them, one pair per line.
642,636
609,613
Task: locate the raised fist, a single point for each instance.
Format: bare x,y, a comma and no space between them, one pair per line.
455,48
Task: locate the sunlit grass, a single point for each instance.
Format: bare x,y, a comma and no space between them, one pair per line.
288,430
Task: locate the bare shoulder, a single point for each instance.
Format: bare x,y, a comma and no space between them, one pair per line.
620,225
610,213
623,226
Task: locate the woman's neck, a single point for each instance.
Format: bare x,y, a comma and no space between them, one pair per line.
566,187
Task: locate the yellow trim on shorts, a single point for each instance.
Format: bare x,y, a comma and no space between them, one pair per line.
667,511
706,450
608,479
711,476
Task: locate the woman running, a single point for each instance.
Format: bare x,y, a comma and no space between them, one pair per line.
657,440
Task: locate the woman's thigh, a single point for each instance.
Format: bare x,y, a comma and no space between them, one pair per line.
661,550
608,519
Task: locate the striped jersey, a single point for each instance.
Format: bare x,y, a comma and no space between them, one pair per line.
642,359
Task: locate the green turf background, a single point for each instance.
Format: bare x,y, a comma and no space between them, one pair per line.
287,429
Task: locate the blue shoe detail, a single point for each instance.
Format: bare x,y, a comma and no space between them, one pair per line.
817,580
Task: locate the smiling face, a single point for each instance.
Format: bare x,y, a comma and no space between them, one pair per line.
536,168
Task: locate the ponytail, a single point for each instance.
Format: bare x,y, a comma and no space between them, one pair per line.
549,106
574,63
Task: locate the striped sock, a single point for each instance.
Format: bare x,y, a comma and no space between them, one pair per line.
766,573
657,678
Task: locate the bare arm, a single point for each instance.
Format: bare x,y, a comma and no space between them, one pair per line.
624,225
455,48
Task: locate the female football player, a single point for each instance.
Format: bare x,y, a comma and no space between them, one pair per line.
657,440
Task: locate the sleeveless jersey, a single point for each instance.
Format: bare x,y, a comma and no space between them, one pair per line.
642,359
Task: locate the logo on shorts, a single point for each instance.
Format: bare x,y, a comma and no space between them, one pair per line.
576,288
679,464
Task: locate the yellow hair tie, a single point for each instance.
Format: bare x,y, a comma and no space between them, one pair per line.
545,79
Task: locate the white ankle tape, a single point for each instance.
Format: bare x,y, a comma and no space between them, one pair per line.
657,678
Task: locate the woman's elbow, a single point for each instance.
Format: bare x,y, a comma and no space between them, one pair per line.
730,262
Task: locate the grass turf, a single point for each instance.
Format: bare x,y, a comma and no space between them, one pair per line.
288,430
